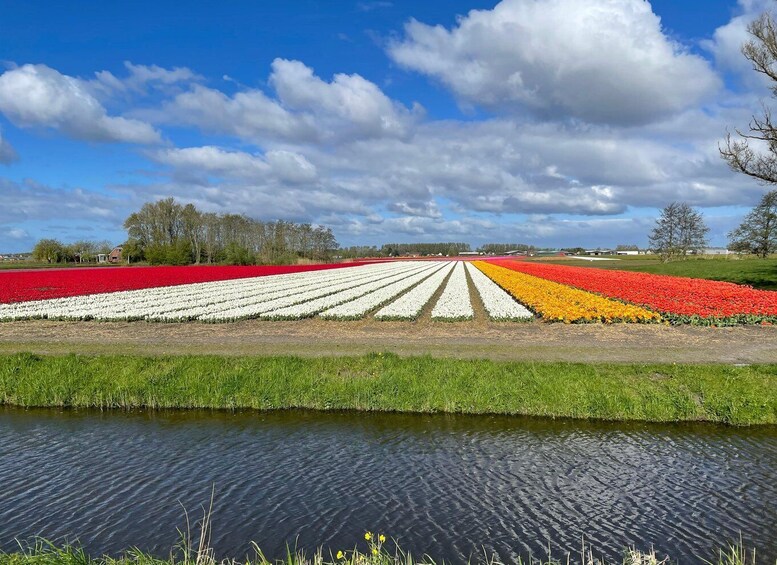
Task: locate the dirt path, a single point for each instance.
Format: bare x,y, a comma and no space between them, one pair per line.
481,339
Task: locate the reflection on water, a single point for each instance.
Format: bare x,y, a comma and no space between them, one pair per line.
445,485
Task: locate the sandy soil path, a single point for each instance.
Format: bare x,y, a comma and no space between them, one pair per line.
480,339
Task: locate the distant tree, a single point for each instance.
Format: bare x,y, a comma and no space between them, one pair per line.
235,254
757,234
82,250
626,247
49,250
132,250
679,230
761,51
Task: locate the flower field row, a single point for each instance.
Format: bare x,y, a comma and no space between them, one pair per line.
558,302
202,300
679,299
409,305
20,286
498,304
402,290
454,303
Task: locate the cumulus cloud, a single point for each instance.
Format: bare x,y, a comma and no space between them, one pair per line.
306,110
34,201
250,115
140,78
39,96
280,165
348,100
727,40
7,153
599,61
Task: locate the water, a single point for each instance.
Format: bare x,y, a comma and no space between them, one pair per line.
444,485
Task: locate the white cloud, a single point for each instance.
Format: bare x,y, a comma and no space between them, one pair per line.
600,61
37,95
35,201
727,40
307,109
276,165
348,101
7,152
140,78
249,115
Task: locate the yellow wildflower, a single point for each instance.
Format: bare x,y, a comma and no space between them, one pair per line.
381,538
367,536
340,554
374,550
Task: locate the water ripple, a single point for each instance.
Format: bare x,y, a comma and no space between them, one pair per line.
449,486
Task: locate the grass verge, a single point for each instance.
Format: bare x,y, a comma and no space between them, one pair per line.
386,382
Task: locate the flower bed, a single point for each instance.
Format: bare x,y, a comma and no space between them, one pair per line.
498,304
679,299
19,286
409,305
454,302
360,307
560,303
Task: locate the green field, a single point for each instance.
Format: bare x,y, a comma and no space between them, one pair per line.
758,273
385,382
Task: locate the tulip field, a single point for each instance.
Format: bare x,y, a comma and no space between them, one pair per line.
441,290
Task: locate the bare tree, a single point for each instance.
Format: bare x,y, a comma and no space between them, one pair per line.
741,156
679,230
757,234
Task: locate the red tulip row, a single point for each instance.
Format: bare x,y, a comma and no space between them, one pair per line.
678,299
19,286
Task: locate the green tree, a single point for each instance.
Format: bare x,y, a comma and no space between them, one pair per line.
679,230
757,234
132,250
49,250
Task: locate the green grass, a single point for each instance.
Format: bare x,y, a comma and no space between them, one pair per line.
758,273
45,553
386,382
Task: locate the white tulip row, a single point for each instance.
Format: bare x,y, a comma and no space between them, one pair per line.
497,302
259,306
409,305
346,293
135,304
454,302
360,307
252,306
187,301
312,307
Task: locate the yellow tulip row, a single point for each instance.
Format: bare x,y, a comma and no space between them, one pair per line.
560,303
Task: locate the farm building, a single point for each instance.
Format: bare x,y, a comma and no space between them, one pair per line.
115,255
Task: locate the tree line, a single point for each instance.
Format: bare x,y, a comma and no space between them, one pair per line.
166,232
402,249
82,251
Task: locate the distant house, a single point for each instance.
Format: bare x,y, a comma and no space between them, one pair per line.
466,253
627,252
715,251
115,255
597,252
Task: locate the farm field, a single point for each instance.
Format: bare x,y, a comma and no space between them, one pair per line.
497,289
758,273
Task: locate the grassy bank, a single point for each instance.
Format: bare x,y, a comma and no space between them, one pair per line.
375,553
661,393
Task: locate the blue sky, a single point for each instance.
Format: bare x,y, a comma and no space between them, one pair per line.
551,122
